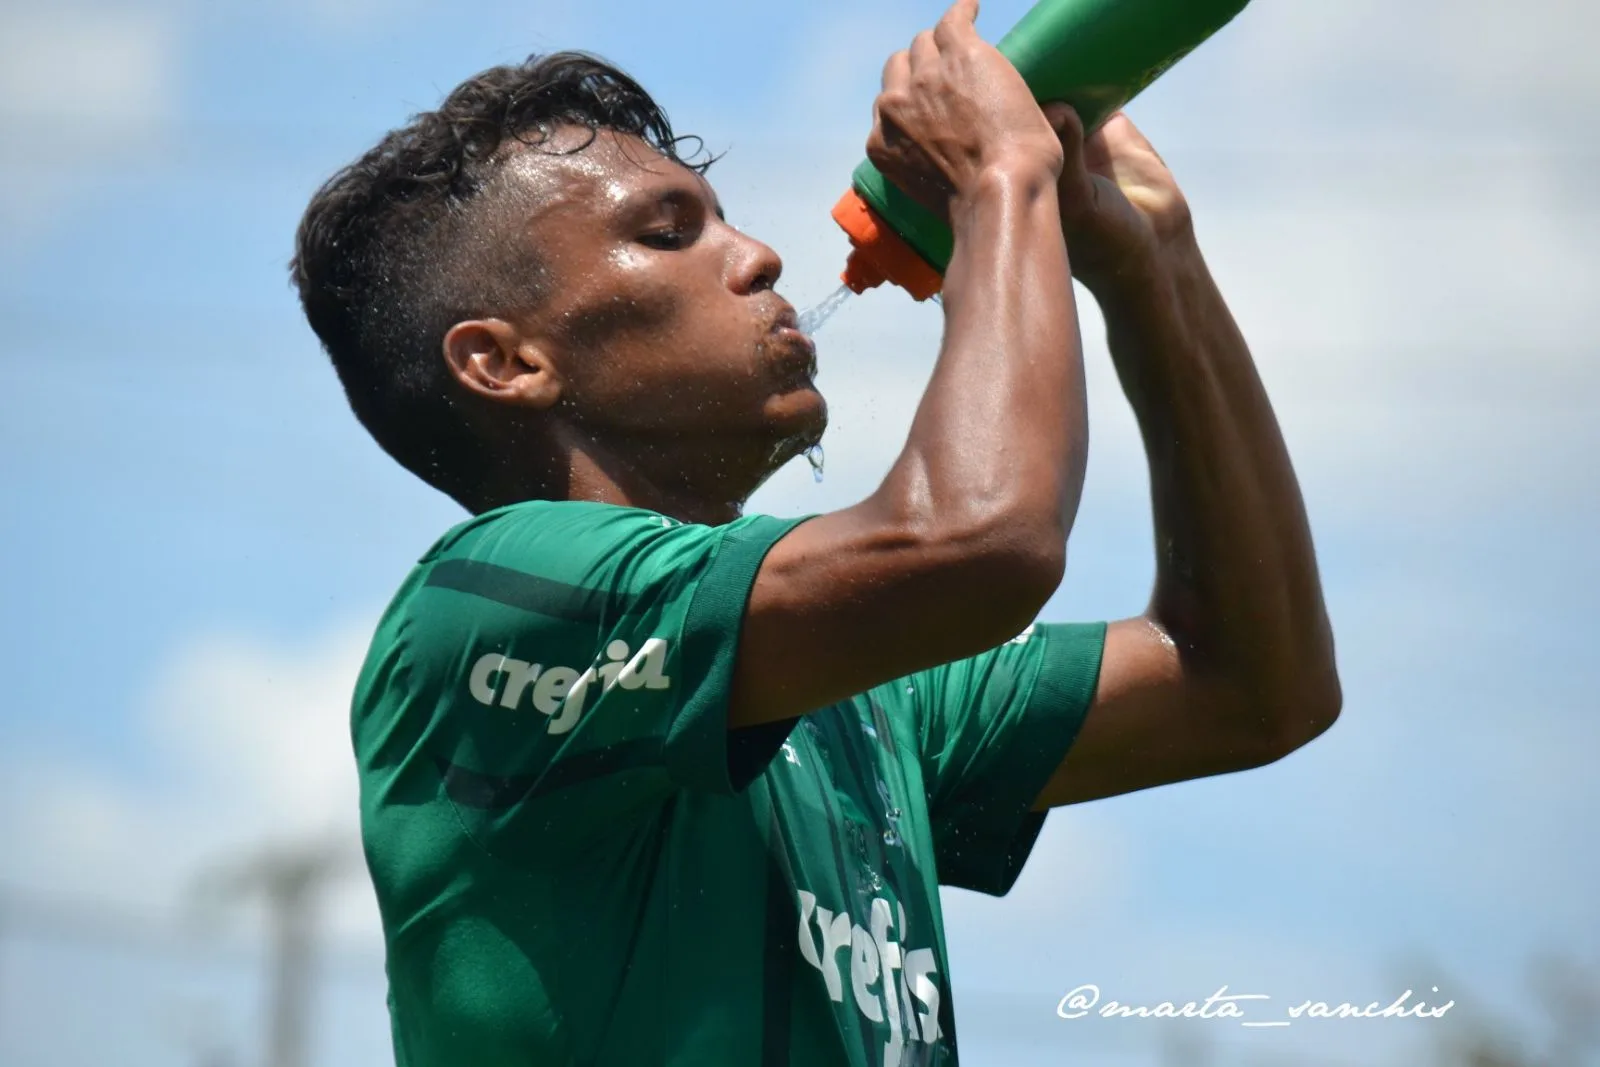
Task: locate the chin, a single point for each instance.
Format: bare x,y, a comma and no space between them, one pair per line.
791,429
800,415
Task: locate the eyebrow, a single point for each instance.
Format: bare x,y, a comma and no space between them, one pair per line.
678,196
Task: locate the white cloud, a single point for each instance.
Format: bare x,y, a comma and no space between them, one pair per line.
88,89
1446,327
83,90
268,723
251,742
87,67
1485,56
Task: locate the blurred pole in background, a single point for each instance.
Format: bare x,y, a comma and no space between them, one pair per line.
1571,996
289,879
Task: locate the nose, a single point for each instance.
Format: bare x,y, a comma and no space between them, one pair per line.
755,266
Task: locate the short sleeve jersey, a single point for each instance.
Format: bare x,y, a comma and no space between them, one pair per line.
578,863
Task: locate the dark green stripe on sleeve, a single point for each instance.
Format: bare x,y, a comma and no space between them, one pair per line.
518,589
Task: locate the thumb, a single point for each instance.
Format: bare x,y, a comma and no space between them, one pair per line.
962,12
1063,118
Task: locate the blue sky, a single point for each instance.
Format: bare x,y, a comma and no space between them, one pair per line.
200,536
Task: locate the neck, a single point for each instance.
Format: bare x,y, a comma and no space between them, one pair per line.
704,482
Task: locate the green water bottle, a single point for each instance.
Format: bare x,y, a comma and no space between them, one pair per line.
1093,54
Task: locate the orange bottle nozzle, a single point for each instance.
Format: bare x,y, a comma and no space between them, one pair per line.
878,254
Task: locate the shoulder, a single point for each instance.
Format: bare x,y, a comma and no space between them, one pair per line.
552,577
582,553
571,541
569,524
563,522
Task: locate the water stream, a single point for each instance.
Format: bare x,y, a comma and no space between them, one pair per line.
811,319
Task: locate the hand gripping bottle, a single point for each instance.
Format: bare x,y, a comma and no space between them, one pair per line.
1093,54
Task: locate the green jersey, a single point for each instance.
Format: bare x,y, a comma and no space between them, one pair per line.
578,863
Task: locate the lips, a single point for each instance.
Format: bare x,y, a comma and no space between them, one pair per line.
787,319
798,364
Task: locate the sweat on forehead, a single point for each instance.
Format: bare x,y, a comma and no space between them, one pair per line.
577,162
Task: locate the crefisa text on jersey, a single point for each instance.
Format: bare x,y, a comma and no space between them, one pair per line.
908,979
560,692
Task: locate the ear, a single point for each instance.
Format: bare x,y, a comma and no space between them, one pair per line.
494,359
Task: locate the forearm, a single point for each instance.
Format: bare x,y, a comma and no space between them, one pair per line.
1000,436
1237,586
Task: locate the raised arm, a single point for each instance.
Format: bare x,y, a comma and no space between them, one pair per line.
1232,664
964,541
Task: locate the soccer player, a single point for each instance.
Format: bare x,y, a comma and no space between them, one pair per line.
648,780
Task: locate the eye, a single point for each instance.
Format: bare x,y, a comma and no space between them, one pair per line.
666,240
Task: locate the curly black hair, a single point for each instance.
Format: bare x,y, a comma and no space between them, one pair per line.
400,245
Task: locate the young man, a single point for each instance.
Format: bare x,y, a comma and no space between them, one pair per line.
646,780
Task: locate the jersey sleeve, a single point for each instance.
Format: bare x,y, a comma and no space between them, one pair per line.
566,668
992,730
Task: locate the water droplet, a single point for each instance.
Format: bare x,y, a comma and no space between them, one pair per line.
910,689
891,838
811,319
815,457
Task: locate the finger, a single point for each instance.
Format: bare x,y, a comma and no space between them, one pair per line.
962,15
876,149
877,142
923,50
897,71
885,144
1098,154
1063,119
1074,188
963,12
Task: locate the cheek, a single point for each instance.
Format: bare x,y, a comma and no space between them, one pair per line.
621,318
669,335
645,296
